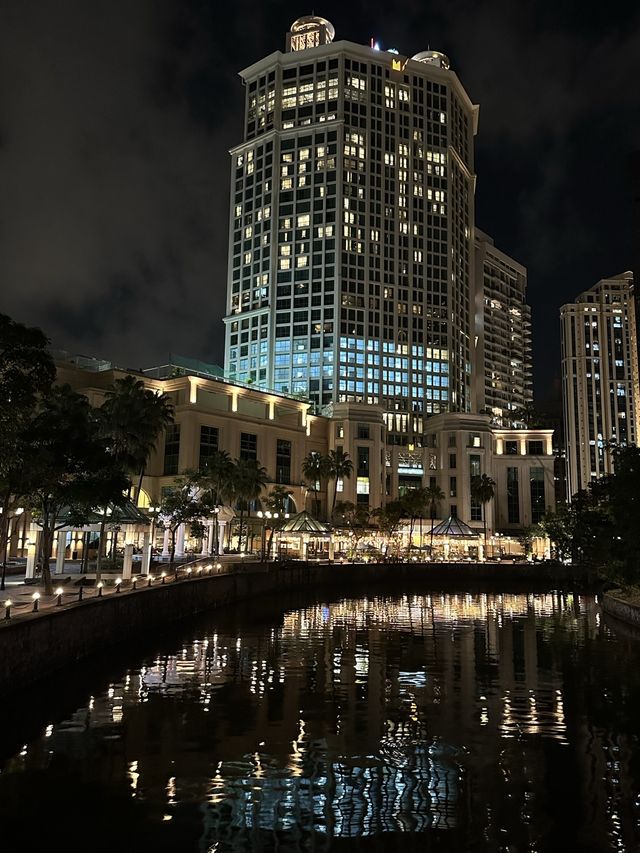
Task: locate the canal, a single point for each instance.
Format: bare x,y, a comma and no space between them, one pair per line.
430,721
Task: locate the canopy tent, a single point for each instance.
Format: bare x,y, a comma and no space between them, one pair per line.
303,535
455,534
453,527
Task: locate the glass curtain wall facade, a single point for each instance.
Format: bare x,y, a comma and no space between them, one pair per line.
351,230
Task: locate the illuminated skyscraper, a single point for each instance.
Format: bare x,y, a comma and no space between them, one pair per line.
351,230
599,377
502,373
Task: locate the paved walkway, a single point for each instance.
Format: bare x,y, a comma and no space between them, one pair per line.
28,597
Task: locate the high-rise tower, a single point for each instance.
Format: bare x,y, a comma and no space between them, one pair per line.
351,229
502,369
599,377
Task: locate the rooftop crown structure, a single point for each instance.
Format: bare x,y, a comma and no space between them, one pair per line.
352,229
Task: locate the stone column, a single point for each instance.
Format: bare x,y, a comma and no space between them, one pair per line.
332,548
60,549
206,540
32,550
221,528
146,554
165,543
210,538
127,562
180,541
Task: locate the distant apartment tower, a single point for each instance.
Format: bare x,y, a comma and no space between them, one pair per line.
502,375
599,377
351,230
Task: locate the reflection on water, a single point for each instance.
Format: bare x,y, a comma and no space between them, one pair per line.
494,722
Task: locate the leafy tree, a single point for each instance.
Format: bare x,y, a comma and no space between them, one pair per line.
67,463
482,491
27,372
181,505
133,417
559,527
249,480
433,495
388,519
315,468
355,517
338,467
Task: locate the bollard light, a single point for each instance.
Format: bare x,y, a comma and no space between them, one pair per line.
133,583
189,570
149,580
80,592
218,566
118,582
163,575
7,608
59,594
36,599
100,586
199,569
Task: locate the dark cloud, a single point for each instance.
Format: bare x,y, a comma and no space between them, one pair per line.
116,119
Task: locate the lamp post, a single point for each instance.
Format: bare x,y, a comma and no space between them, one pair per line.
216,544
5,544
154,510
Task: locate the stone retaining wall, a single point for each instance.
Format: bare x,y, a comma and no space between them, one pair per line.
621,609
36,645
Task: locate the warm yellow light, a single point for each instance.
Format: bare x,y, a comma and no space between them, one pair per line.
35,596
59,591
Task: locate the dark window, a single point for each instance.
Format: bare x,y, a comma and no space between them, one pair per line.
511,447
453,491
474,465
453,510
283,461
452,460
535,448
248,445
363,431
363,462
513,496
171,449
474,471
536,478
208,445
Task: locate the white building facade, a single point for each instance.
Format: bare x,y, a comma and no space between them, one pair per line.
503,363
599,378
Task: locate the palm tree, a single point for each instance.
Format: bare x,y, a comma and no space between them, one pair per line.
413,503
339,467
482,491
133,417
217,480
277,501
433,495
249,480
314,470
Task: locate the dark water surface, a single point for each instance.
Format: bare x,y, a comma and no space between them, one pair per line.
469,722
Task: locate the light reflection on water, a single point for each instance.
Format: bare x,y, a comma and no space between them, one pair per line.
506,721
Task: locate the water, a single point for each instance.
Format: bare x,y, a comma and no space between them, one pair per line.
449,722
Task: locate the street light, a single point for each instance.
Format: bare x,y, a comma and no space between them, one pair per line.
154,510
216,543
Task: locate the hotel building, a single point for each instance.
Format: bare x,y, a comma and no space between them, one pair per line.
502,365
352,230
599,377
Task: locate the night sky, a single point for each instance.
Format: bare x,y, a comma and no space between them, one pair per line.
116,119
